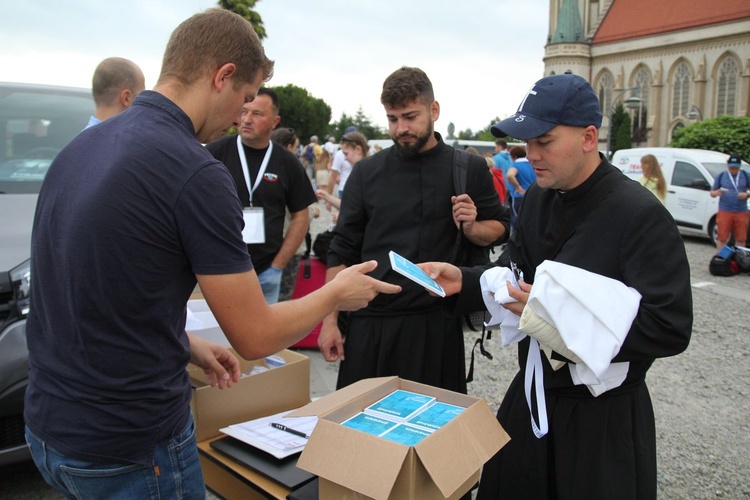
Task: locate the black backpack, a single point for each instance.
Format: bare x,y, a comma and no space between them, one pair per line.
742,257
720,266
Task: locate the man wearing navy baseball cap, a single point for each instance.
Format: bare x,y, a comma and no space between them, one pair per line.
573,436
733,188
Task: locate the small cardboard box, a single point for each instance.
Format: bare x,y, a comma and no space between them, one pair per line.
353,464
278,389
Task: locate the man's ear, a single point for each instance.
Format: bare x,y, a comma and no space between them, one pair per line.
435,110
126,98
223,75
590,139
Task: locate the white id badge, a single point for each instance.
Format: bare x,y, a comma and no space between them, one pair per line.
255,229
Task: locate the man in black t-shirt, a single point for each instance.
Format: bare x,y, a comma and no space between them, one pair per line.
269,180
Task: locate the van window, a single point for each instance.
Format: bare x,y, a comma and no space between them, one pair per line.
686,175
35,123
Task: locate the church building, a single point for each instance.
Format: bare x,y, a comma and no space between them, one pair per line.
671,62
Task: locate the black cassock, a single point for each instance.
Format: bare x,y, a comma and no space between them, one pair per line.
605,446
404,205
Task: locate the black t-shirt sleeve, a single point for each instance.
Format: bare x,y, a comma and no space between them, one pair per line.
210,223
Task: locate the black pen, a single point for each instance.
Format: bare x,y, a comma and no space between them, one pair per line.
284,428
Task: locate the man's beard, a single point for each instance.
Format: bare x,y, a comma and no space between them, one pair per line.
412,150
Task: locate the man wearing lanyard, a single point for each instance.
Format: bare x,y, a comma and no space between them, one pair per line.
732,187
269,180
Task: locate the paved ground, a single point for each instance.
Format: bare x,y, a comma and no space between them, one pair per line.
701,398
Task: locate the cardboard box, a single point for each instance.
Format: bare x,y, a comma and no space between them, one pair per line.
281,388
352,464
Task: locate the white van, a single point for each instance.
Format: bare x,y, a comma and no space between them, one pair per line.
689,174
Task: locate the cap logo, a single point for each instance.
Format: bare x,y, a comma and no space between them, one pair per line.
531,92
520,118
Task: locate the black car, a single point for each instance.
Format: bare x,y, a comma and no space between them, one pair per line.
36,121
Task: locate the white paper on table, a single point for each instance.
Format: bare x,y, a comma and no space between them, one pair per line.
278,443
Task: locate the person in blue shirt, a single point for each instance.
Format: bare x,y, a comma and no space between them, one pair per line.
520,176
732,187
116,83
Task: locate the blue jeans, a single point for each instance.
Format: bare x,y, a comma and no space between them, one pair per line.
175,473
270,283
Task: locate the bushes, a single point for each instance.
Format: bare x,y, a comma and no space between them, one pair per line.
728,134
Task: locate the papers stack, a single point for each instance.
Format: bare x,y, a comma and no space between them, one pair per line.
400,405
404,417
262,435
370,424
436,416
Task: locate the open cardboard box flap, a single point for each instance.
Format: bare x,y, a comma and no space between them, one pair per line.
371,465
462,447
361,462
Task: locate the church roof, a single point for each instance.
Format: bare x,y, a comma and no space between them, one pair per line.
636,18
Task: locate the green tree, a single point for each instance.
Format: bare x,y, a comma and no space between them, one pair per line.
727,134
620,129
362,122
306,114
467,135
245,9
486,135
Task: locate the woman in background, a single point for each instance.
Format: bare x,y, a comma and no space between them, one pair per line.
355,147
652,178
323,170
287,138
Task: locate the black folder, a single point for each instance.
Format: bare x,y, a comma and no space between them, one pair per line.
307,492
284,471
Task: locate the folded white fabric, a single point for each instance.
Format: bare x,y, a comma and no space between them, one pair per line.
612,377
591,312
495,292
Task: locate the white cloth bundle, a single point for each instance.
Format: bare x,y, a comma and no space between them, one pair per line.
579,314
592,314
495,292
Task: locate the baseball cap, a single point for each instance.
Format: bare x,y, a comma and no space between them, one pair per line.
350,128
565,99
734,161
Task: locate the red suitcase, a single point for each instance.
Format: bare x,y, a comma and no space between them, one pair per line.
311,276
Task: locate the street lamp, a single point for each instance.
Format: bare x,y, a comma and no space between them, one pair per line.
694,113
632,102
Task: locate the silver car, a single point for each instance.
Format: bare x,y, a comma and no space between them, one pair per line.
36,121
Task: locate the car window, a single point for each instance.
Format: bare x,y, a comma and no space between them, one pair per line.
35,123
686,175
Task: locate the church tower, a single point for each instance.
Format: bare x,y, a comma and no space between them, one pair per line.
568,46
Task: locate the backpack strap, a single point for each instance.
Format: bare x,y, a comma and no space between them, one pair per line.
460,170
460,173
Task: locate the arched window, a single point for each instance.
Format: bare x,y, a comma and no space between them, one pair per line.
727,87
643,82
605,93
681,90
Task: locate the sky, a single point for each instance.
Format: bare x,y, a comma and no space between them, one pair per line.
482,56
